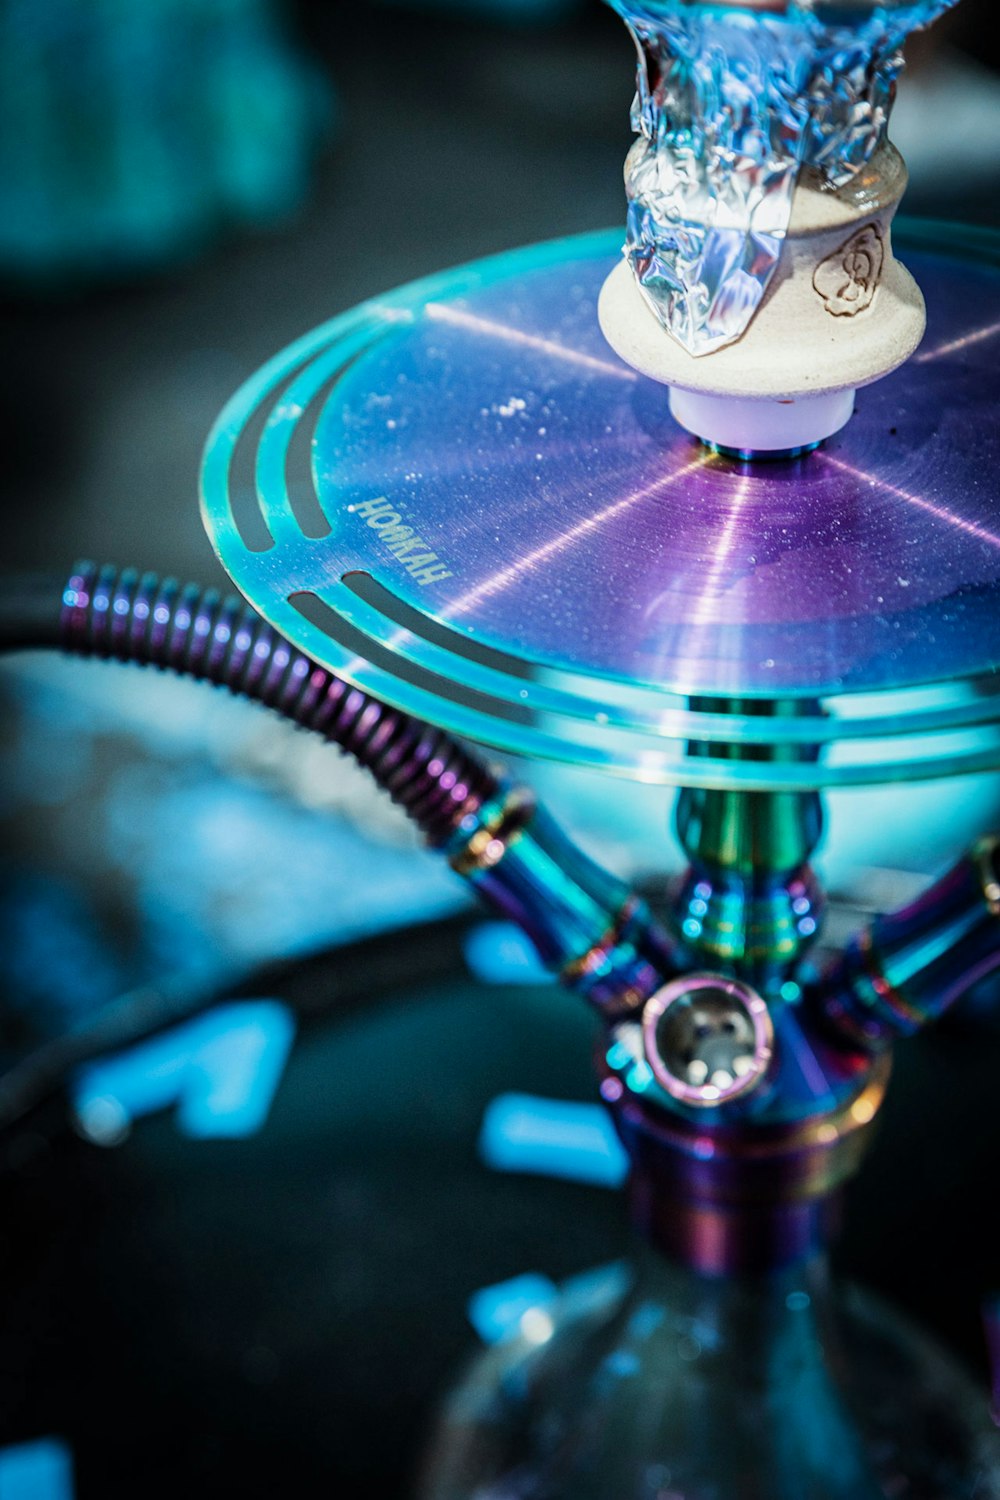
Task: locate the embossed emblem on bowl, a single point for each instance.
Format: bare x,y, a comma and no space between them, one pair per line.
847,279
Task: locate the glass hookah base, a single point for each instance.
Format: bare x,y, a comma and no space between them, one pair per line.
458,498
703,1394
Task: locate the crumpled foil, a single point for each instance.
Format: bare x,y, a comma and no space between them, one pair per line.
731,103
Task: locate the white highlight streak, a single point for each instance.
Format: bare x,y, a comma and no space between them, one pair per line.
441,313
941,512
703,612
955,344
500,580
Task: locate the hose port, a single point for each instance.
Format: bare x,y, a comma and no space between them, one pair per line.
708,1039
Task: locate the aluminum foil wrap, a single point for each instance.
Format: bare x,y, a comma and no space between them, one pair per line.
731,102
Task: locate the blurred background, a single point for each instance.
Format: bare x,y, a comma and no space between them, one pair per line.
270,1301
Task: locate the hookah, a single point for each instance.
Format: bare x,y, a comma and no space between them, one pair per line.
661,514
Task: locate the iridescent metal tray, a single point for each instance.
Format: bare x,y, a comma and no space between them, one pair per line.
457,497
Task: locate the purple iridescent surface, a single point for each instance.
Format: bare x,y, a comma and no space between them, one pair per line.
458,497
583,528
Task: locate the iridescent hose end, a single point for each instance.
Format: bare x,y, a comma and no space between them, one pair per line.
588,928
907,968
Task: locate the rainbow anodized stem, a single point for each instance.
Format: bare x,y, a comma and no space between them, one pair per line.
749,902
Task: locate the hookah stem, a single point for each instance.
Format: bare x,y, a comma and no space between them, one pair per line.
587,926
749,902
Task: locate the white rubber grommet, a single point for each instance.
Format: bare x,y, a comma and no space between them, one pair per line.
767,425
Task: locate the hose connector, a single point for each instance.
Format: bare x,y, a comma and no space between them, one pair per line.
588,927
907,968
